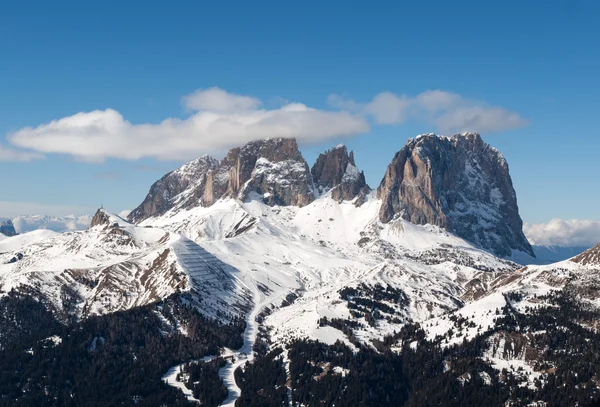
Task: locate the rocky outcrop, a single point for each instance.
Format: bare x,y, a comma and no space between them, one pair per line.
7,228
590,257
103,218
335,171
272,170
169,190
458,183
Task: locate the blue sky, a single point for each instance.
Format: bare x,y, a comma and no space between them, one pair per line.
531,68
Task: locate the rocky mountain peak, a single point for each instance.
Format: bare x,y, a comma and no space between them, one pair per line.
167,192
7,228
103,218
272,170
458,183
336,170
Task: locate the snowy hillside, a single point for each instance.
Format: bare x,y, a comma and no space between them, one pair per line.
115,265
317,264
298,259
319,251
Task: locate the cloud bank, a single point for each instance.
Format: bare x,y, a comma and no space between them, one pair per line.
218,120
571,233
446,111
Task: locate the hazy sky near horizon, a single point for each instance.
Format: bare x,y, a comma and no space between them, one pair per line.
99,100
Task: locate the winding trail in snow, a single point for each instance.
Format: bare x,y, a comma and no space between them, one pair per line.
241,356
171,379
245,353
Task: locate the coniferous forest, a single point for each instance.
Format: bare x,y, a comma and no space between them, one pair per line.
428,374
116,359
120,359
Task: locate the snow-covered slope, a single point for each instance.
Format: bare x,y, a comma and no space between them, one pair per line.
115,265
259,228
16,243
320,251
528,290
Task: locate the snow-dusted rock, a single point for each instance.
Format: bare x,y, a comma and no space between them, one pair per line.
336,170
459,183
272,169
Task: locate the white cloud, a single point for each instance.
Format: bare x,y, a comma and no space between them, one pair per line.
10,209
434,100
223,120
344,103
10,154
448,112
218,100
479,118
387,108
571,233
219,120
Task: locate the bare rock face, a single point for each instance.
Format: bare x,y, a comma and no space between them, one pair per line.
336,170
101,218
458,183
7,228
272,170
168,191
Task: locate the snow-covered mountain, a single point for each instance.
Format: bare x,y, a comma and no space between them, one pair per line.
277,228
114,265
459,183
312,253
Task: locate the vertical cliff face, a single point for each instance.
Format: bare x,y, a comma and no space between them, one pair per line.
272,170
336,170
459,183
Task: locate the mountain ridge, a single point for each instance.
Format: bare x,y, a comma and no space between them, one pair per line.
459,183
329,270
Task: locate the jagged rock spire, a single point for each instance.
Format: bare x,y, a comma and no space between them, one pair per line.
336,170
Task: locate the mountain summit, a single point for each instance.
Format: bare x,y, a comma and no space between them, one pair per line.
336,170
458,183
274,169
